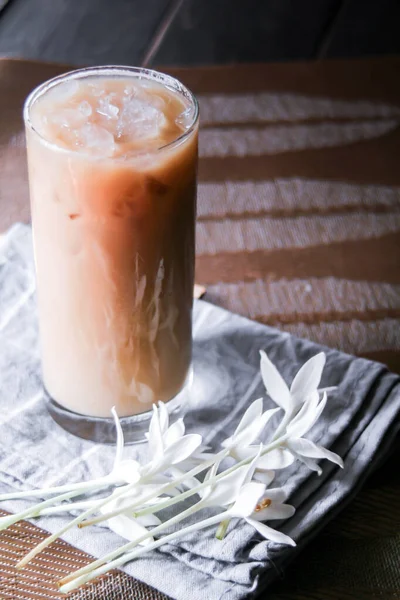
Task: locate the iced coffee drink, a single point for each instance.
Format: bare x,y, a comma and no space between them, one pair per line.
112,156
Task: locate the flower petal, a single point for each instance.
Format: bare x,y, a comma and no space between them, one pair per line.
308,377
274,383
156,445
245,452
309,406
163,416
265,477
127,471
189,483
128,528
310,414
279,458
174,432
181,449
252,465
226,490
247,499
277,495
251,432
253,412
275,511
310,463
310,450
271,534
150,520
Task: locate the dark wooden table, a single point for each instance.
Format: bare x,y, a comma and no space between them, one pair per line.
196,32
298,227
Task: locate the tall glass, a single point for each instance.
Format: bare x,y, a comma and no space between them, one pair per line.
114,253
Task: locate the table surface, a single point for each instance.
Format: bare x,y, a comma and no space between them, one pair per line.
298,227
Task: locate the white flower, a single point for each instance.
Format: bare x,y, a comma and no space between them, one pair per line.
250,426
252,506
225,491
304,384
305,450
295,446
168,445
124,471
124,524
240,489
268,508
246,500
278,458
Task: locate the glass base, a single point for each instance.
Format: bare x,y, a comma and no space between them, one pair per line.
102,430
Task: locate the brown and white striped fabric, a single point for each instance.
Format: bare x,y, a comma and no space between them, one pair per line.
298,227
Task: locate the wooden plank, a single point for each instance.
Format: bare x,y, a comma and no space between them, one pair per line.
232,30
358,79
84,33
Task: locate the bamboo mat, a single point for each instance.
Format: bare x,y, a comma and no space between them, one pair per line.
298,227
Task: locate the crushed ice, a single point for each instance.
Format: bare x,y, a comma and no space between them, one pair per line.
139,119
97,124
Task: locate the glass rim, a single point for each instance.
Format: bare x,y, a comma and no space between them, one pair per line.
139,73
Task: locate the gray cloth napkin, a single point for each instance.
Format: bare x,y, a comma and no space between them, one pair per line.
359,423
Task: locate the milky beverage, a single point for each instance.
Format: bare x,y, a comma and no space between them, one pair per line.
113,211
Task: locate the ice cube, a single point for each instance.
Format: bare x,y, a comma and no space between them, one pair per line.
85,108
145,93
96,140
139,119
157,101
96,89
63,92
106,108
71,118
185,118
130,91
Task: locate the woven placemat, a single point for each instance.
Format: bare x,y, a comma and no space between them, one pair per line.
39,578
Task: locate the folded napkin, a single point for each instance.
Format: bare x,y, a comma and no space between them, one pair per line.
359,423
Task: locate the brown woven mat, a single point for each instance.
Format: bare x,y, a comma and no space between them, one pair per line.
299,220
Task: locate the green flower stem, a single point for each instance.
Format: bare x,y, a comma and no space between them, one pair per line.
162,490
97,505
67,507
41,493
174,500
69,583
123,549
33,511
221,531
50,539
